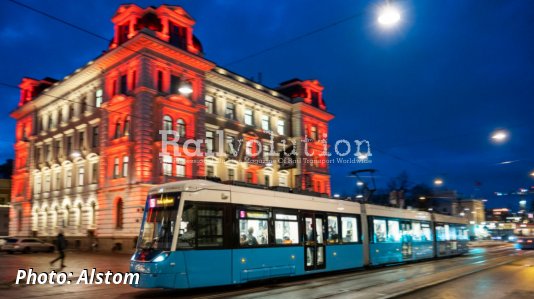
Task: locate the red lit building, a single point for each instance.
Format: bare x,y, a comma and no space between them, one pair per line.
88,147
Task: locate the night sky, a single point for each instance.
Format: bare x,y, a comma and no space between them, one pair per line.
427,94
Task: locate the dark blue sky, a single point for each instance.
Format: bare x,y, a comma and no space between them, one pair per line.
427,95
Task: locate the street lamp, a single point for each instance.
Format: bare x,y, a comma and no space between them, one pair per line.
438,182
499,136
388,15
532,174
75,154
185,88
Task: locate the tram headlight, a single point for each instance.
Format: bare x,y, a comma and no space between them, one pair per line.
161,257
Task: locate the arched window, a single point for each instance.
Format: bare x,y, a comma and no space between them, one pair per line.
127,126
118,132
60,115
180,127
167,123
119,213
125,161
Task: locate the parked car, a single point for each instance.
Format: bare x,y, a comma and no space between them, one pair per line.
525,243
2,241
26,245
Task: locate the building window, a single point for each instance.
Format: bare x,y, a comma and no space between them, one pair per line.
81,140
93,213
47,183
175,84
119,214
180,167
69,146
230,111
167,123
210,105
116,168
210,171
68,178
249,117
83,105
37,185
19,219
58,148
114,88
94,174
210,141
230,145
265,119
124,84
167,165
134,80
231,174
267,180
59,119
281,127
282,181
80,216
125,160
250,148
57,181
160,81
48,152
266,152
127,126
250,177
95,140
99,97
180,127
81,174
313,133
118,132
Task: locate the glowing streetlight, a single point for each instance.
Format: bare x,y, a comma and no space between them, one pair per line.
75,154
438,182
499,136
360,183
388,16
532,174
185,88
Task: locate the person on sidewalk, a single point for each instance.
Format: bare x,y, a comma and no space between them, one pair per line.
61,245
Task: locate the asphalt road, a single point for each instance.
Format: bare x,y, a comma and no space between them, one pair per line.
497,262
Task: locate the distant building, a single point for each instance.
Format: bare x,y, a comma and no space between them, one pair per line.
5,193
473,210
445,202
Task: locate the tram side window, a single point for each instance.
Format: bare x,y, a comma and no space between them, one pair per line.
440,233
253,228
394,234
417,233
452,232
463,233
286,229
187,237
333,230
380,230
210,227
427,232
349,229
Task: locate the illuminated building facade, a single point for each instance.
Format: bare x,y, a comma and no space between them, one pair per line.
88,147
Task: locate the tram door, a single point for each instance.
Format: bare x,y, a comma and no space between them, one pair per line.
407,247
314,241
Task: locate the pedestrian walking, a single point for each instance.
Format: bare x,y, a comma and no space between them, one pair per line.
61,245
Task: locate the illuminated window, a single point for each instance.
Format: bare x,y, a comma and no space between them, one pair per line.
249,117
125,161
230,111
47,183
116,169
180,167
230,140
127,126
210,171
253,228
231,174
394,234
210,141
313,133
417,233
380,230
99,97
426,231
167,123
180,126
265,120
286,229
81,174
37,185
333,230
210,104
118,132
280,126
68,178
167,165
57,181
349,229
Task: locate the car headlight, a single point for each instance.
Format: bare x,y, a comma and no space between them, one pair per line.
16,246
161,257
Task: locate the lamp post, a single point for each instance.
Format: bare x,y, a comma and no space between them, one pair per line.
388,15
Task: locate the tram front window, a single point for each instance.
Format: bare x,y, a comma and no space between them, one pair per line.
159,222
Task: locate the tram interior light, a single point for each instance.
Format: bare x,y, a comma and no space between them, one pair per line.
161,257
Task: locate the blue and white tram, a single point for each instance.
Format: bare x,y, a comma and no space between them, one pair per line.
199,233
452,235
